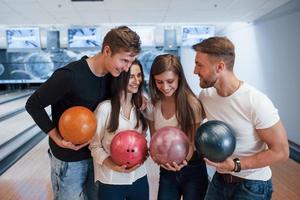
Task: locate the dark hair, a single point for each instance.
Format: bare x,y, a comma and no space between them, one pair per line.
119,86
122,38
218,47
184,110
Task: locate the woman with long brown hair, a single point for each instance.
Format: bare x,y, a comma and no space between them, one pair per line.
174,104
121,112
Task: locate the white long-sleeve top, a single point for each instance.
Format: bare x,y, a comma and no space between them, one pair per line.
100,146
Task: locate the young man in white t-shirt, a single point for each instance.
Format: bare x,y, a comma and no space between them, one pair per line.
261,139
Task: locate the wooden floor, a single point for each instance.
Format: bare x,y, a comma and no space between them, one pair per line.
286,181
29,178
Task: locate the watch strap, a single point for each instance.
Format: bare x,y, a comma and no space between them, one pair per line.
237,165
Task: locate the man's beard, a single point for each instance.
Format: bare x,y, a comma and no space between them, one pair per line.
207,83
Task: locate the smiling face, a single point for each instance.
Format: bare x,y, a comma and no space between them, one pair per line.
135,79
167,82
118,62
204,68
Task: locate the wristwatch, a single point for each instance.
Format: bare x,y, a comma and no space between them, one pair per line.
237,165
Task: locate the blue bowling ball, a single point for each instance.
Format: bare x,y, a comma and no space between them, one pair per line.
215,140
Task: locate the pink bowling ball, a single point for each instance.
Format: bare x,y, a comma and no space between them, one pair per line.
168,145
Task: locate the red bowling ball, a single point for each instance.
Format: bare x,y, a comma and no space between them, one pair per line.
168,145
129,148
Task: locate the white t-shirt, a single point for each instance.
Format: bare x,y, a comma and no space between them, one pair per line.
100,146
154,114
245,110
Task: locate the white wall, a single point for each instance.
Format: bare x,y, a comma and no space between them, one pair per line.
187,55
268,57
248,61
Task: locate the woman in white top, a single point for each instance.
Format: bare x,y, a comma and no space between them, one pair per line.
174,104
121,112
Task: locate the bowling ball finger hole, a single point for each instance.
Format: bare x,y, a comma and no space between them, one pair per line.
128,148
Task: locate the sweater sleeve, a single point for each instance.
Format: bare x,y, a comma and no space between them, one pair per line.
98,151
48,93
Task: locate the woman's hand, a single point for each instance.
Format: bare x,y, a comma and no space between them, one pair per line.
174,167
119,168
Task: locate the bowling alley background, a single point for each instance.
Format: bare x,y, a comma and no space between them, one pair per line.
259,61
267,56
36,67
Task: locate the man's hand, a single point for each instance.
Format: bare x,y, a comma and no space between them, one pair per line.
222,167
70,145
56,137
144,103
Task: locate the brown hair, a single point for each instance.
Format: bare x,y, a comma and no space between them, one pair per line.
119,86
218,47
122,38
184,96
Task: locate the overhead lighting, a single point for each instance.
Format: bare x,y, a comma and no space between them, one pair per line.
87,0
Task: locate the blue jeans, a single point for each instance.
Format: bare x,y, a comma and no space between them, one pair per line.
245,190
139,190
73,180
190,182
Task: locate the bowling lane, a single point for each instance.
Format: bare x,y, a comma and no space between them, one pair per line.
12,95
13,105
16,124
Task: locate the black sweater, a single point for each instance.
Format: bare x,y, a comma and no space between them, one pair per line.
72,85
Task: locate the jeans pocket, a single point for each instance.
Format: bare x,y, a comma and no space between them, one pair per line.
63,169
255,188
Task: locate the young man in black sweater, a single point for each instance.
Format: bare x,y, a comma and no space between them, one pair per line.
85,82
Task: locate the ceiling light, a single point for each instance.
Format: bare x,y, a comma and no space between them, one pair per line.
87,0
